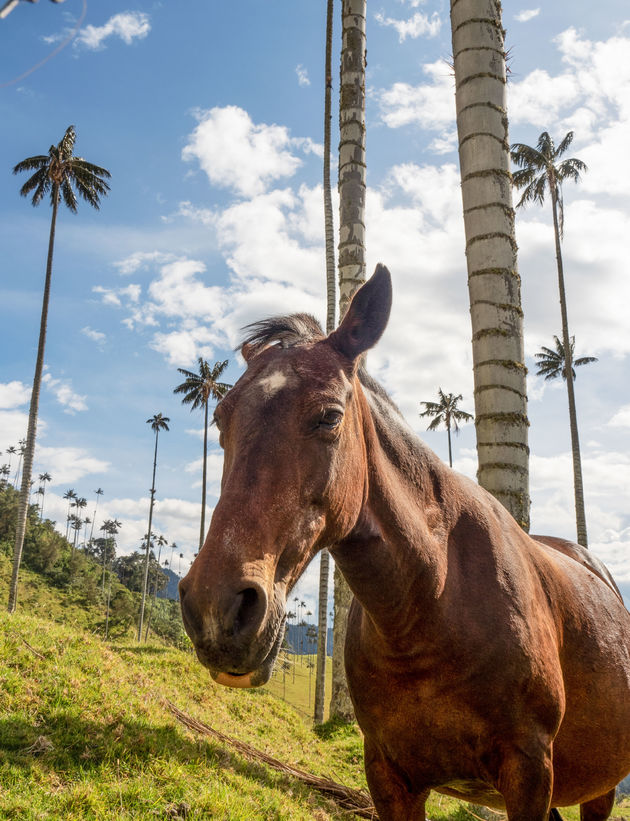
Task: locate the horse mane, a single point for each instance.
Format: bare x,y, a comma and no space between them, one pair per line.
284,331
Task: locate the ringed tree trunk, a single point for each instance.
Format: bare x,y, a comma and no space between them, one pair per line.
202,526
580,515
352,187
29,450
324,566
148,552
493,281
352,152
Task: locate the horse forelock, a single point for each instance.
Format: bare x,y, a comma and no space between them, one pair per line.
283,331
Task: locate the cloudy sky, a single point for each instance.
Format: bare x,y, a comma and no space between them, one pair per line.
209,116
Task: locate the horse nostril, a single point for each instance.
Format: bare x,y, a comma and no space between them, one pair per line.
246,611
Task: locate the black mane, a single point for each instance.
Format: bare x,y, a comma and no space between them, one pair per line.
285,331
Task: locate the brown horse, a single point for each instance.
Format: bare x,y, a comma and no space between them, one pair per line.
482,663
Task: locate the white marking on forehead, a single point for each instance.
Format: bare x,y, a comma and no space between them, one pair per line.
273,383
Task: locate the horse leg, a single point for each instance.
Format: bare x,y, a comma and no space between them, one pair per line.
598,809
526,781
391,795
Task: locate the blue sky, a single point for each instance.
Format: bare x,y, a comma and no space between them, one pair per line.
209,117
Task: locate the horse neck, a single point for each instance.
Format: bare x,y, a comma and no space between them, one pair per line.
397,550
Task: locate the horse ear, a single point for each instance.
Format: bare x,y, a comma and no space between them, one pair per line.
367,316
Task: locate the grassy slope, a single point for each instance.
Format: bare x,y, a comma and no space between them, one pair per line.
85,733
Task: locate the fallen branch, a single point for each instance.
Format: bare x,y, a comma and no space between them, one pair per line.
356,801
32,649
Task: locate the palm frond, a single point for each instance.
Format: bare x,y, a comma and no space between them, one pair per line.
566,142
527,157
68,195
31,163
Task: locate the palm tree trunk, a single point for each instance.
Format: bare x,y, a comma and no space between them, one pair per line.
352,186
580,515
202,530
493,280
328,210
29,450
450,449
352,165
146,557
324,565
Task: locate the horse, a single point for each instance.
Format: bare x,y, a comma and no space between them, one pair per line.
482,663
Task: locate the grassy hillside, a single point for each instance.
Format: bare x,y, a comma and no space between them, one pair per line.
85,732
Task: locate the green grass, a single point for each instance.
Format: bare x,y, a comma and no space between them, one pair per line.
85,732
295,683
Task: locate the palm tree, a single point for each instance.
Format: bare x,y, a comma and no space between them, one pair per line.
12,450
20,453
70,495
540,171
352,189
99,492
161,541
493,281
445,412
43,478
324,556
552,363
5,472
198,389
57,173
158,423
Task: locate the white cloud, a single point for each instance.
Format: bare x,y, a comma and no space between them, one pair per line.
128,26
418,25
238,154
302,75
64,394
430,106
13,394
141,260
622,418
526,15
96,336
67,465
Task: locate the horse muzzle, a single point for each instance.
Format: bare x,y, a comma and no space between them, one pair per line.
238,636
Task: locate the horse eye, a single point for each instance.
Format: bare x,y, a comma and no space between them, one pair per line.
330,419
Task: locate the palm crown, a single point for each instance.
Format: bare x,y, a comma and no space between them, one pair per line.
552,363
538,170
199,387
59,173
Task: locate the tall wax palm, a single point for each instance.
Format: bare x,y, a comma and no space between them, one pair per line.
352,189
161,542
493,282
331,295
5,472
12,450
542,171
445,412
20,453
99,492
70,495
61,175
198,389
158,423
43,478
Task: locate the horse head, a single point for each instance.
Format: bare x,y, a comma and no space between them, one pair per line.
294,481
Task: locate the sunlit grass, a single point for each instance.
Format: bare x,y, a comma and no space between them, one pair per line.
85,732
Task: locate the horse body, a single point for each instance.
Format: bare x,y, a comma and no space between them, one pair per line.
485,647
482,663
